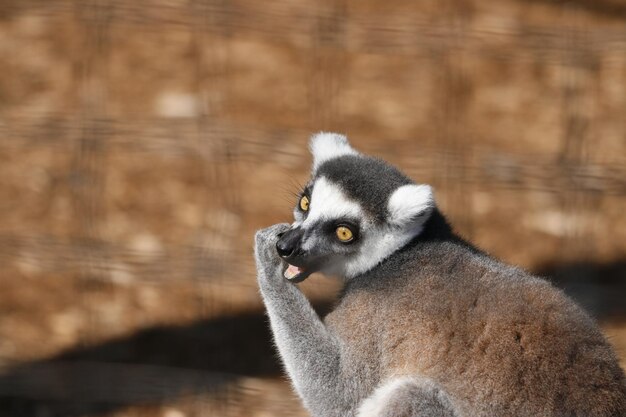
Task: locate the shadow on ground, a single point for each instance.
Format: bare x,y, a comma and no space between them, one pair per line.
599,288
160,364
153,366
610,8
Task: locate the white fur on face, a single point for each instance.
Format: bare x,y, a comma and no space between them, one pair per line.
378,241
326,146
406,206
329,202
408,202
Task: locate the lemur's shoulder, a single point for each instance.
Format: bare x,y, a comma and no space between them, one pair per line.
451,284
453,274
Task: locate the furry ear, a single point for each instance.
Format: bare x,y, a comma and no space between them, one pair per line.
410,204
325,146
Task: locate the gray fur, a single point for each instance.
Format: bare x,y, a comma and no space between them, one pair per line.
360,177
310,353
410,396
437,328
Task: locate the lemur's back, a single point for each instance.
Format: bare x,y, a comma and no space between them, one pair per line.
499,341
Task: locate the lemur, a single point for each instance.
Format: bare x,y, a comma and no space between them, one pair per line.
426,325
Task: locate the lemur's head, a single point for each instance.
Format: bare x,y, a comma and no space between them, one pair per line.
354,212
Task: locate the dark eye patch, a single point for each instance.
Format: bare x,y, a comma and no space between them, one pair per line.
330,226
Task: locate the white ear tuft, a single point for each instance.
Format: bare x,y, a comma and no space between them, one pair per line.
410,203
325,146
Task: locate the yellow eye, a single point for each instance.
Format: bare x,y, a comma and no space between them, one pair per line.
344,234
304,203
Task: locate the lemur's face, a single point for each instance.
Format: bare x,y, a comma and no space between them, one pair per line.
354,212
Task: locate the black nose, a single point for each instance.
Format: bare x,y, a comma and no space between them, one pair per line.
284,249
288,243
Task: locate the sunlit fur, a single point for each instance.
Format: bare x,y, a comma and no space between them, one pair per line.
325,146
408,201
419,396
426,324
329,202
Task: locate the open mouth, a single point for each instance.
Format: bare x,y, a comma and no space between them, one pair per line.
296,274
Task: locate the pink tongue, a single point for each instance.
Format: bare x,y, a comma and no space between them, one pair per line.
292,271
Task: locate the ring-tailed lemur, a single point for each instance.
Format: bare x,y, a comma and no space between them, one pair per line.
426,325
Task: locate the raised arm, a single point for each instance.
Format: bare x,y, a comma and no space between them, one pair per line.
309,351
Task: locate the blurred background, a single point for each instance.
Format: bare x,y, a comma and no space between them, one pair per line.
143,142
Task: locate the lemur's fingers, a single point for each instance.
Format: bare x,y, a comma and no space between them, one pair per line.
270,234
265,243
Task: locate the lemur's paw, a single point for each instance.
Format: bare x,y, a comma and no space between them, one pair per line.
267,259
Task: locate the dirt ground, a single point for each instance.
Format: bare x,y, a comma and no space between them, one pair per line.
142,143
